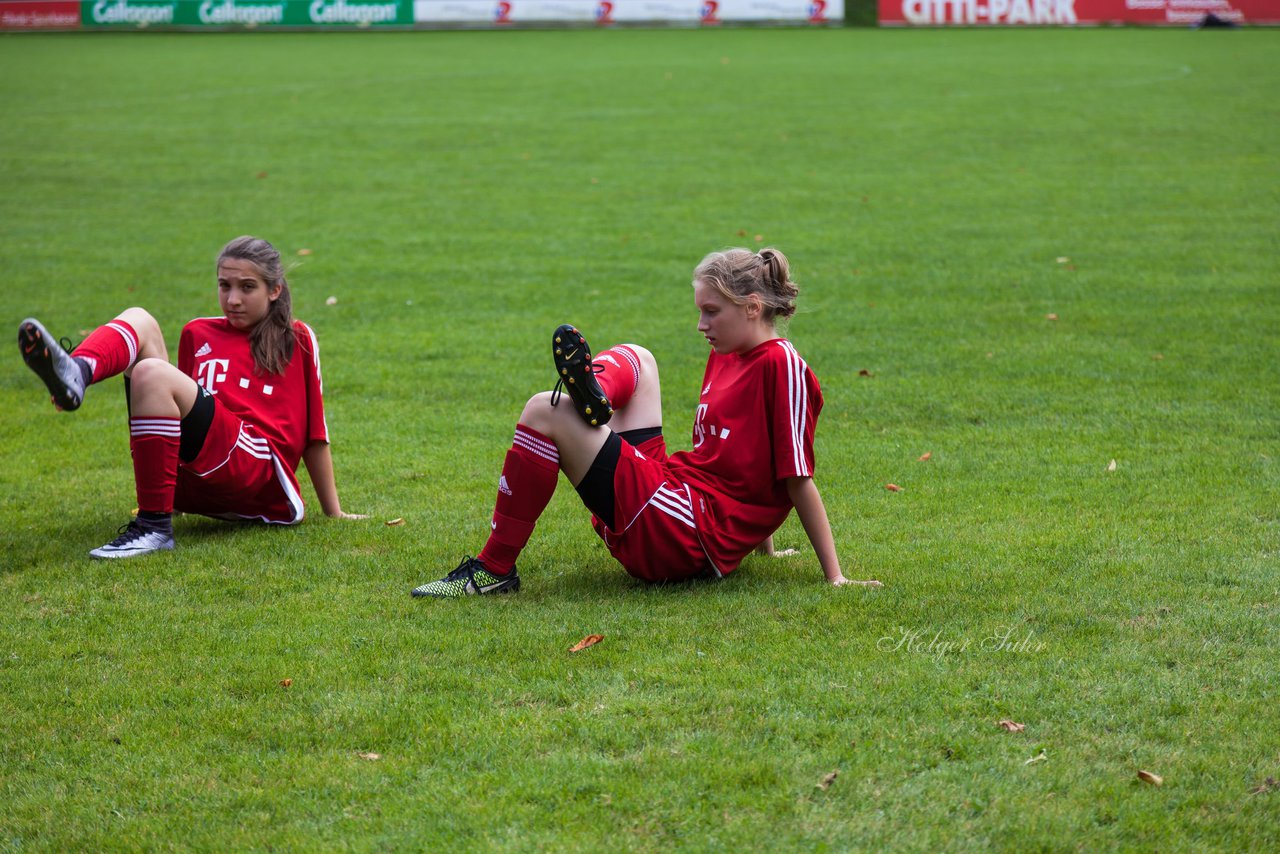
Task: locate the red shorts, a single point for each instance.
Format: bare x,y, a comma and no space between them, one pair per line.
237,475
655,538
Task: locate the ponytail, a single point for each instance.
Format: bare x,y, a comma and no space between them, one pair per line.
739,273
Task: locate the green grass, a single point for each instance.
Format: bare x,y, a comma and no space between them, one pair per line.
463,193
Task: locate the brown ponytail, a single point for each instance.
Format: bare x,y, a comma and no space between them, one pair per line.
272,340
739,273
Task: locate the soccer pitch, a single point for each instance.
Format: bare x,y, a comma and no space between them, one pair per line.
1028,255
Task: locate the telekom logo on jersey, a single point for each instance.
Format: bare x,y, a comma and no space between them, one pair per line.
701,430
212,372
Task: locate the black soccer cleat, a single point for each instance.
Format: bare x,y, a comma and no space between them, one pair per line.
52,363
577,375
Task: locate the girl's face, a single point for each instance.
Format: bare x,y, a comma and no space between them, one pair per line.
243,295
727,326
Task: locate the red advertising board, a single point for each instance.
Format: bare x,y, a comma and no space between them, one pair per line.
933,13
39,14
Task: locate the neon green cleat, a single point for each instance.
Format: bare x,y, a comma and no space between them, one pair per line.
469,579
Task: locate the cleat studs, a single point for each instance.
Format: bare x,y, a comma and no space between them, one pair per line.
594,423
559,352
571,380
564,372
588,410
557,339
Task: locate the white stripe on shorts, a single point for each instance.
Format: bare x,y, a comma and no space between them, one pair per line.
674,504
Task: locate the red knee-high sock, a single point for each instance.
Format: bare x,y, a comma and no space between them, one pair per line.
110,349
528,481
154,444
621,374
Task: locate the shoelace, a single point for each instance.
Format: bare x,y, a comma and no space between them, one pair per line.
558,391
125,533
466,570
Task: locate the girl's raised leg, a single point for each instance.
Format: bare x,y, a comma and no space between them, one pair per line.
553,436
110,349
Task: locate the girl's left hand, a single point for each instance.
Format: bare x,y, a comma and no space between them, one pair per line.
841,581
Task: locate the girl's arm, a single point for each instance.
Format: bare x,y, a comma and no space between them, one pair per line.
766,548
320,468
813,516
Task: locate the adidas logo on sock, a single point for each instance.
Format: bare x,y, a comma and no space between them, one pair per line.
502,485
204,350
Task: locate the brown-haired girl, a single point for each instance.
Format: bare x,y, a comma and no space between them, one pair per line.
222,433
684,515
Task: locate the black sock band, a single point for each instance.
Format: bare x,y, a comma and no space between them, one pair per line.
86,371
155,521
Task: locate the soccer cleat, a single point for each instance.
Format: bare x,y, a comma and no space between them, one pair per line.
469,579
53,364
135,541
577,375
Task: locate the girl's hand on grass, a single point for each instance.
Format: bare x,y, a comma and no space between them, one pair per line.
840,581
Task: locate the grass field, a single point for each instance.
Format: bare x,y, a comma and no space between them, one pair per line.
1048,249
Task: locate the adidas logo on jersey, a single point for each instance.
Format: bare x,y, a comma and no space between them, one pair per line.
204,350
502,485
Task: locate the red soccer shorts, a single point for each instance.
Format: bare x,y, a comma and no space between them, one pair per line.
655,538
237,475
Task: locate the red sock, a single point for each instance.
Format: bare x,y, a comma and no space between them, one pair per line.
621,374
110,349
154,444
528,481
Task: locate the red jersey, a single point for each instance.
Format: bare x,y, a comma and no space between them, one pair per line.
286,409
754,428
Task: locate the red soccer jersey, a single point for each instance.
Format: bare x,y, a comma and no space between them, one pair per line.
754,428
287,410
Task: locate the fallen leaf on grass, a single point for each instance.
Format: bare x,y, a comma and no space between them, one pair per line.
285,683
1111,466
925,457
1011,726
1153,779
827,780
759,238
742,232
1158,357
331,301
391,523
893,487
1051,317
304,251
1039,757
371,757
865,373
589,640
261,175
1063,259
1266,786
